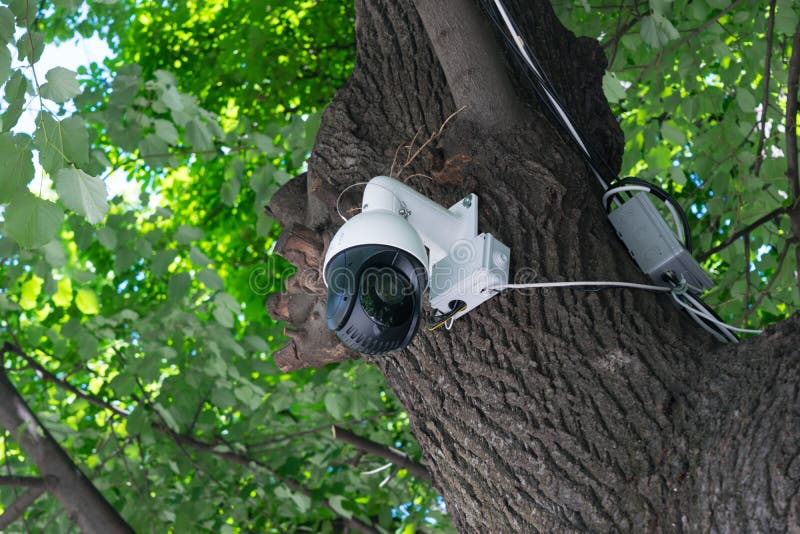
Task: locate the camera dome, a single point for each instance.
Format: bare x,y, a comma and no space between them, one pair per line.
376,271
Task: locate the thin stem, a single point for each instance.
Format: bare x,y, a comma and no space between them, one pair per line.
391,454
765,98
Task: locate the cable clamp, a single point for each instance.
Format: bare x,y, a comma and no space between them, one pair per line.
681,288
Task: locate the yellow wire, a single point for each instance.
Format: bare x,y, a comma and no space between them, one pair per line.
431,328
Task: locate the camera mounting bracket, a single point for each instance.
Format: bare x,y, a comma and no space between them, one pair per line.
461,262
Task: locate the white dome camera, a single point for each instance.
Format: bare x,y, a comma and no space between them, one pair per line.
381,261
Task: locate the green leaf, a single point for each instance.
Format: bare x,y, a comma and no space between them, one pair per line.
84,194
229,191
29,292
63,297
786,17
198,136
162,261
69,6
155,151
211,280
677,175
746,100
178,286
107,237
54,254
336,404
32,221
657,31
25,11
187,234
86,301
61,142
166,131
612,88
5,64
223,316
7,25
336,503
198,258
62,85
30,46
17,165
669,130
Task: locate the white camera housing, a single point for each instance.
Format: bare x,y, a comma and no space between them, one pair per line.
459,264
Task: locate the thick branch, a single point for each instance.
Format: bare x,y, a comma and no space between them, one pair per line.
791,118
746,230
471,60
22,482
388,453
791,138
18,507
84,503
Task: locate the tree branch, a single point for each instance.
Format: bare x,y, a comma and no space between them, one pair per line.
746,230
471,60
44,374
21,482
765,98
791,138
84,503
18,507
398,458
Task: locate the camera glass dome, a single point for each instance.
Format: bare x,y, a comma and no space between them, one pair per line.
374,297
386,296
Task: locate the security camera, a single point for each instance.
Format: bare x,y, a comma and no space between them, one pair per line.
381,261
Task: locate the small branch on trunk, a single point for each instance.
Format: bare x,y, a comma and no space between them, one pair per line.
471,60
746,230
765,98
18,507
391,454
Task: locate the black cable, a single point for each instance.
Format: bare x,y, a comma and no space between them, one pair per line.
542,83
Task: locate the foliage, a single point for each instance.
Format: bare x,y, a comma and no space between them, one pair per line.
701,89
145,345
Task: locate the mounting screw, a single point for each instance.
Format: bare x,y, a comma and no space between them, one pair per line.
404,213
467,202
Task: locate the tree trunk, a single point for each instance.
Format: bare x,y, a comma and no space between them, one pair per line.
551,410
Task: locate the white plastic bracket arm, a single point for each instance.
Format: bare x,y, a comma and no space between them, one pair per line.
439,228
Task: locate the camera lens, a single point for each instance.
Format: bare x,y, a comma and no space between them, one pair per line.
386,296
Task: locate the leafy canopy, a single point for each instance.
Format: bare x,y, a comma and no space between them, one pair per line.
145,345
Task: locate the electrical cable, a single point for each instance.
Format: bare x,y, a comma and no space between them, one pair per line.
441,320
694,307
704,316
547,93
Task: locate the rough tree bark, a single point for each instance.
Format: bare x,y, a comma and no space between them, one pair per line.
549,410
